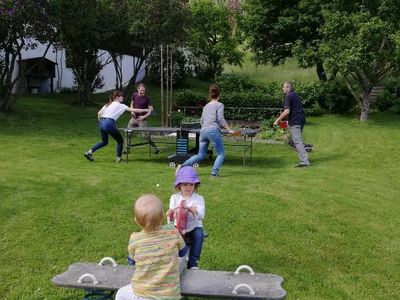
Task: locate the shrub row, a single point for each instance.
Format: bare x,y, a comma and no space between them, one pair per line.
390,98
240,93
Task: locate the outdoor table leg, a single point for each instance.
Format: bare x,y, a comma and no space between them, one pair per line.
149,136
127,146
251,148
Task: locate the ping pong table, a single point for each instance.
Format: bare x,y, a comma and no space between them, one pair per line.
244,139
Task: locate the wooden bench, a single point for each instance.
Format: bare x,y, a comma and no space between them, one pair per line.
104,279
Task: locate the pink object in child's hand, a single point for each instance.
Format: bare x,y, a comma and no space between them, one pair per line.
171,215
182,217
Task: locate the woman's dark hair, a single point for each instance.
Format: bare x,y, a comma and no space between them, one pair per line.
213,92
115,94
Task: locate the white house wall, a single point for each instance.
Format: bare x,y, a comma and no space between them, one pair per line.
64,76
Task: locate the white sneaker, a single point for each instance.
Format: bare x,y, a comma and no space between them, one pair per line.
119,159
88,155
194,268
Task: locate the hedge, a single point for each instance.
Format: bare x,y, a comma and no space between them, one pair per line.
246,100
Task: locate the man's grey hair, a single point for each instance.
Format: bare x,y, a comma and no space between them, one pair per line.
289,83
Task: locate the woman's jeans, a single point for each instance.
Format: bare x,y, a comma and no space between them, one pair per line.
107,127
194,240
214,136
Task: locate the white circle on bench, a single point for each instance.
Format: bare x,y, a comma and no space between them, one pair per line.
91,276
244,267
110,259
235,290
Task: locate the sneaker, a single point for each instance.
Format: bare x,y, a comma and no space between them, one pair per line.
301,166
156,151
119,160
89,156
214,176
194,268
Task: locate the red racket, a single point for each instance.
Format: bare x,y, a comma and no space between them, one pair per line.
283,124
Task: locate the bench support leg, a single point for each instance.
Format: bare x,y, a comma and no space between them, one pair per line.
98,295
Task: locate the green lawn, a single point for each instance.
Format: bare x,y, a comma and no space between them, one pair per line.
332,230
268,73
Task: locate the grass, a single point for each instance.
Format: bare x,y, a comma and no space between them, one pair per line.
269,73
332,230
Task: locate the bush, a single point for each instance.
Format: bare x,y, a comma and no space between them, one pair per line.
396,107
335,97
68,90
390,98
238,83
247,100
254,105
191,98
309,93
315,110
385,101
177,117
269,131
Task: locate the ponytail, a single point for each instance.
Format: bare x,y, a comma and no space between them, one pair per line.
113,95
213,92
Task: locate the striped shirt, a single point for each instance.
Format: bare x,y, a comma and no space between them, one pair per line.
157,264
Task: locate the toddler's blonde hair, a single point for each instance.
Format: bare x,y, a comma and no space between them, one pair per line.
148,211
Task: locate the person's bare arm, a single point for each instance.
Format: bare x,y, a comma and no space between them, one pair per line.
283,115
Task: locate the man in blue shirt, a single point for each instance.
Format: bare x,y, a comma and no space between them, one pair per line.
294,109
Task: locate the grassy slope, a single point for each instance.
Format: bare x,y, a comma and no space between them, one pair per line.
268,73
332,231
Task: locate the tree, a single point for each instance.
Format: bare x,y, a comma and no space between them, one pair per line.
363,47
81,28
211,36
278,29
21,22
356,38
152,23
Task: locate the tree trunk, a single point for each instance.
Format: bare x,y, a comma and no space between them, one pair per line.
321,72
364,107
3,104
5,98
132,82
130,88
362,99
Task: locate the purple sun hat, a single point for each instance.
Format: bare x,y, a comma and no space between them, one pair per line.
187,175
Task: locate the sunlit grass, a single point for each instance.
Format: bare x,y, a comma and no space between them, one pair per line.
332,230
269,73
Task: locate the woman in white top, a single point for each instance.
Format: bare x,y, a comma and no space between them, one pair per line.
107,116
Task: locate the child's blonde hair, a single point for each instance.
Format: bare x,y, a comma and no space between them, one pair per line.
148,211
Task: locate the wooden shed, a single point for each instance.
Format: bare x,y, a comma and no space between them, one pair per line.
37,75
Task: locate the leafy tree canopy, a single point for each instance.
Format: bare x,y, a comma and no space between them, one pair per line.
357,38
363,47
212,36
21,22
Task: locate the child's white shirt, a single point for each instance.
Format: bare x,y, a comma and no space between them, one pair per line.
195,200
